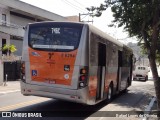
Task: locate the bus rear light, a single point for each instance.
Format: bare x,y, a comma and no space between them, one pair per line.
81,84
83,71
83,77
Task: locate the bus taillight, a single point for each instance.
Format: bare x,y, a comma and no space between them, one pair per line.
23,71
83,71
83,77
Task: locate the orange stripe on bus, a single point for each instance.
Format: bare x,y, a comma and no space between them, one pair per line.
92,86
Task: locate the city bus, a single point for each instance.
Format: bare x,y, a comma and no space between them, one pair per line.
75,62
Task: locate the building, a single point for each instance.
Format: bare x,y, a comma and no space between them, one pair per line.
73,18
14,15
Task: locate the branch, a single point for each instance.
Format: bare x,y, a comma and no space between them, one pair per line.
145,36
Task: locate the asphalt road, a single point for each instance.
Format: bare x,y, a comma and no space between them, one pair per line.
135,99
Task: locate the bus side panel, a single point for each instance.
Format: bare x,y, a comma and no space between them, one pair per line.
93,66
111,67
82,61
125,72
25,55
93,81
126,69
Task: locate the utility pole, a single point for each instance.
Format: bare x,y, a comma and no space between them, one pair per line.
91,13
85,15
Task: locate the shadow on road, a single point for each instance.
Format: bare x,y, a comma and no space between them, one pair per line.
60,109
133,100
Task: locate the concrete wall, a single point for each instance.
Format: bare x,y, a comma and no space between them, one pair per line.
1,73
4,10
32,10
19,20
19,45
73,18
16,12
7,37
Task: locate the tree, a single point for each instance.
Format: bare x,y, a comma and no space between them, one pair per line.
140,18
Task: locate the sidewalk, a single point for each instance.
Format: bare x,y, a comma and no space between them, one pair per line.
11,86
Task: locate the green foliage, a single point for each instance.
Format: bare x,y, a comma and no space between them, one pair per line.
140,18
10,48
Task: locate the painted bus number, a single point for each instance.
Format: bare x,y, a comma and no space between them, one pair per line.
68,55
50,81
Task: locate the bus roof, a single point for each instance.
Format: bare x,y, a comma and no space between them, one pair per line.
56,22
104,35
93,28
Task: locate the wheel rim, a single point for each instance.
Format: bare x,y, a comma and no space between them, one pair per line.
109,93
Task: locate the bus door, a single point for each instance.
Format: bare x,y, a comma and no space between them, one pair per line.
123,70
101,70
119,70
131,68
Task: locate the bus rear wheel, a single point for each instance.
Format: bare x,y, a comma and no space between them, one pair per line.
110,93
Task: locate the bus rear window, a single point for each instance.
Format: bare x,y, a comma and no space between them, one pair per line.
58,38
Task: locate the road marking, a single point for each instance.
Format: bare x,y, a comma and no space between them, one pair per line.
11,91
101,118
23,104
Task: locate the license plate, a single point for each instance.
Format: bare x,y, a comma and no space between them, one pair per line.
50,81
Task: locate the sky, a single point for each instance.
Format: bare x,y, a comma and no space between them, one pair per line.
74,7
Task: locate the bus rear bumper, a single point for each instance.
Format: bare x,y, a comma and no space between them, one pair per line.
57,93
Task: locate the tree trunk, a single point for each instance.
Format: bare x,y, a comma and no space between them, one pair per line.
156,81
152,58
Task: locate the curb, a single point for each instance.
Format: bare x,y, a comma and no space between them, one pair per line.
148,109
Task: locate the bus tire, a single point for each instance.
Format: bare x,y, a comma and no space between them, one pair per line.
127,85
110,93
146,78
